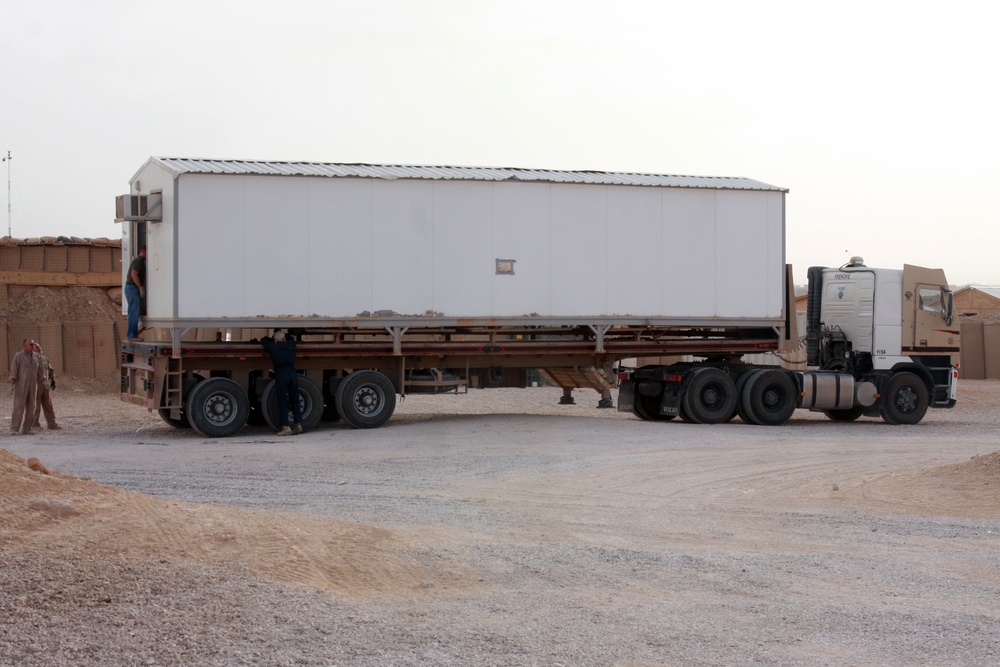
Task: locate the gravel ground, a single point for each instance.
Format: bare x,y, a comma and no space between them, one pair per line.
500,528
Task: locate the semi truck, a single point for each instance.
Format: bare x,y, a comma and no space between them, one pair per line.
400,279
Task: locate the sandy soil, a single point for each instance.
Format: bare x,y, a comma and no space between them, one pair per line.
500,528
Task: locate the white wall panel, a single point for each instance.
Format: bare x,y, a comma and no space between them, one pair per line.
402,247
634,251
741,251
579,255
462,260
521,231
776,252
340,247
211,246
276,232
689,263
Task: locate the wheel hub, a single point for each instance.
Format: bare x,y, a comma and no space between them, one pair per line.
366,400
218,409
906,400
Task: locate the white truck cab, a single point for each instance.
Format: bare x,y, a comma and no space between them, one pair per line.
876,323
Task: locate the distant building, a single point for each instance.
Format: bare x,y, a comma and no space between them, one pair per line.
978,310
971,301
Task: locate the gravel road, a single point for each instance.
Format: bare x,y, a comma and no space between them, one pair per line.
500,528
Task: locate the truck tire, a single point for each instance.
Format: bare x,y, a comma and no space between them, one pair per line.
217,407
310,403
905,399
709,396
846,415
647,408
365,399
769,398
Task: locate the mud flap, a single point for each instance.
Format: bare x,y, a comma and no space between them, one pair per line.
626,396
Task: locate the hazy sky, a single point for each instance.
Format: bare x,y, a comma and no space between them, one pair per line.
882,118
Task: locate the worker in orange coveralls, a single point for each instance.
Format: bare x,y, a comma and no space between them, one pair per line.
25,372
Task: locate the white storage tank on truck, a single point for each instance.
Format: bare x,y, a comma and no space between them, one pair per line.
402,278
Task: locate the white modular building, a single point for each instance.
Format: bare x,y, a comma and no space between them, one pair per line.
274,240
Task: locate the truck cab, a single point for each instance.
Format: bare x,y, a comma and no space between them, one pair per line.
872,323
879,343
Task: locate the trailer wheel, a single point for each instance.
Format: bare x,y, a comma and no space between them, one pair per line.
310,403
709,397
847,415
905,400
769,398
365,399
217,407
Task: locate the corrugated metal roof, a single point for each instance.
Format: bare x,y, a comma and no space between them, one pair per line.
178,166
991,291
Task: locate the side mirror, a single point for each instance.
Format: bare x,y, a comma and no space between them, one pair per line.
948,312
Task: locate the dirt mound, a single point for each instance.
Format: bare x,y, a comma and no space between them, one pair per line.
985,467
970,489
69,304
46,511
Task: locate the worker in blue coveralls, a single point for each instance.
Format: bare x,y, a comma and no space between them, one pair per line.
286,379
135,292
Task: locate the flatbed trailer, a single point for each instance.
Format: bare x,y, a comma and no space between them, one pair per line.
398,357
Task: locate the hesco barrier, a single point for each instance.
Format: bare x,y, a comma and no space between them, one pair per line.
84,346
980,358
82,350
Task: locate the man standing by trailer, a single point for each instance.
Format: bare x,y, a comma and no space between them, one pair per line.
135,292
25,372
286,380
43,398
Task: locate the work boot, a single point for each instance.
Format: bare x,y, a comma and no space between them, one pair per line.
296,428
285,430
55,427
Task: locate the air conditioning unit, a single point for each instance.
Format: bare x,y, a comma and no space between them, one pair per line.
148,208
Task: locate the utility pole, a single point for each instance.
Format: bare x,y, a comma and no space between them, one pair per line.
7,160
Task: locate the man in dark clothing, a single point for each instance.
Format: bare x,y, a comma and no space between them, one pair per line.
286,380
135,292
